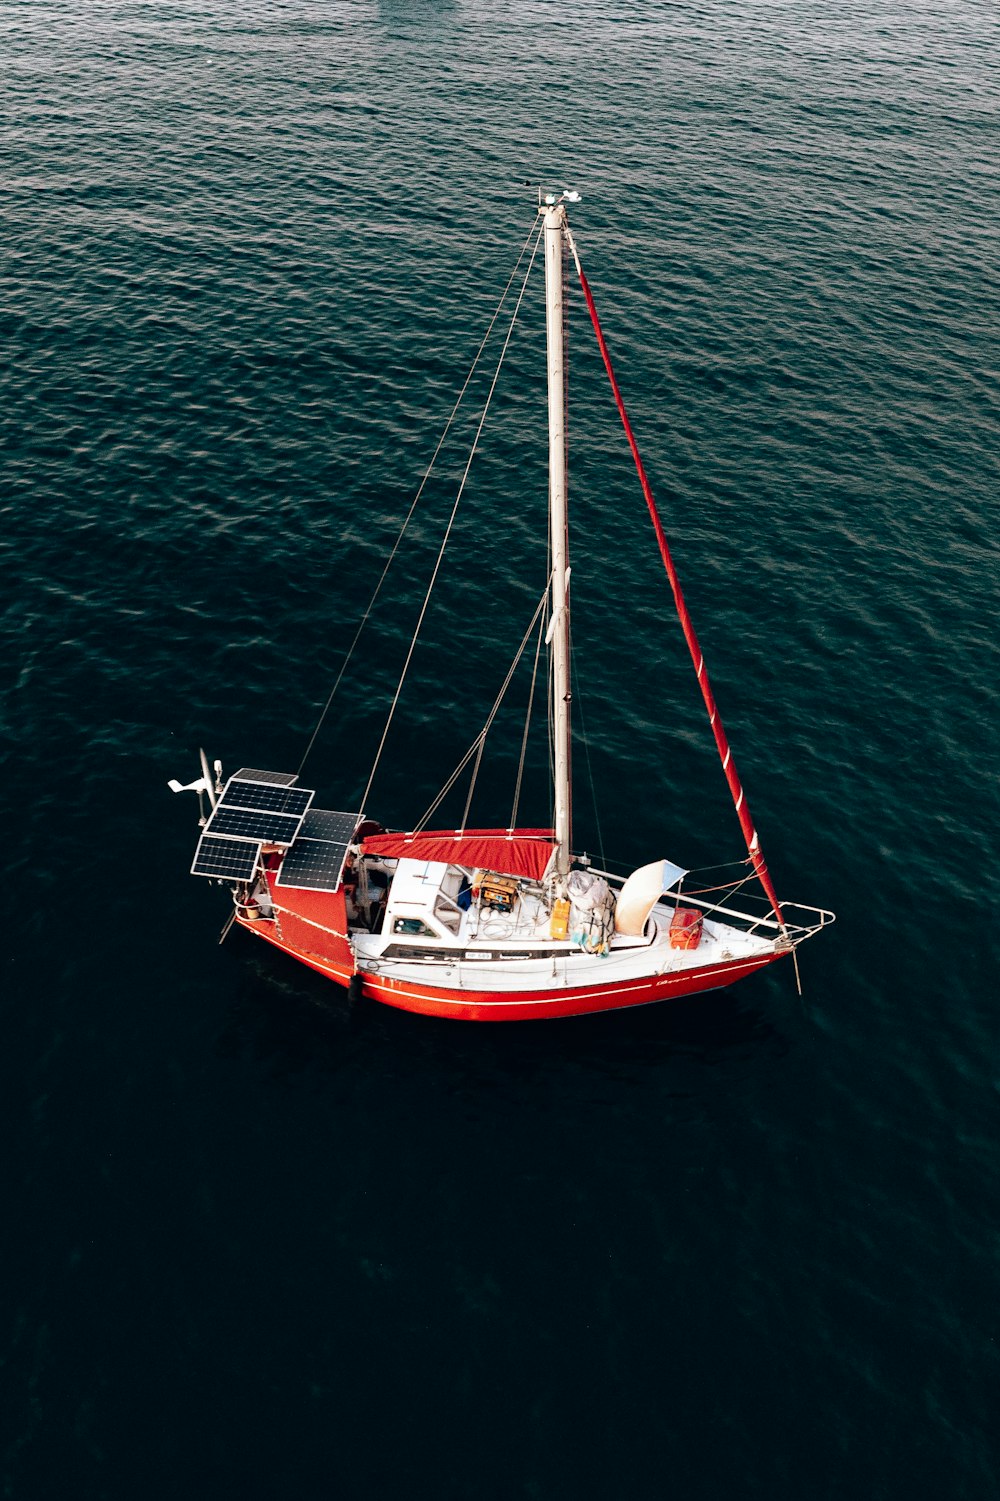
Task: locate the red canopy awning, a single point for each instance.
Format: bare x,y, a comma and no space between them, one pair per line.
525,852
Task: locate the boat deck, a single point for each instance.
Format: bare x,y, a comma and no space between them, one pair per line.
511,956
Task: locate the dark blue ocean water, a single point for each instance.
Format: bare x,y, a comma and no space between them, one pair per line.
259,1244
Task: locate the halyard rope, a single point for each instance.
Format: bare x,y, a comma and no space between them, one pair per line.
697,657
476,747
527,724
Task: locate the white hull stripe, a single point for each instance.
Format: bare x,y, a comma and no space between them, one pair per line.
575,995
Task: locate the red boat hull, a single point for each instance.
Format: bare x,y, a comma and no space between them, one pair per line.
519,1005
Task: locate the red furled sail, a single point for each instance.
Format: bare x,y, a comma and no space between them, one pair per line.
517,852
697,657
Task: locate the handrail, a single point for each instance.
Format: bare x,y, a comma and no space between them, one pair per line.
797,931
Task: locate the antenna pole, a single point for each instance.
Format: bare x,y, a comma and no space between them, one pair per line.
209,780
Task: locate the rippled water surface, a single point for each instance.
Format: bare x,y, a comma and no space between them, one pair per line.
258,1243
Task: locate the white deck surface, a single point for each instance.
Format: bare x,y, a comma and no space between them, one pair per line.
475,959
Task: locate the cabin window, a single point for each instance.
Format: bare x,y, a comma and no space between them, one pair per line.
447,912
413,927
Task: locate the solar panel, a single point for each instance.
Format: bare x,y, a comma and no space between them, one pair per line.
320,823
313,864
315,861
253,823
275,778
268,811
229,859
266,796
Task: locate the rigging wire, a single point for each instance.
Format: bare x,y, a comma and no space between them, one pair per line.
550,726
590,768
472,782
527,723
551,732
449,784
535,232
702,870
477,744
697,656
448,528
539,608
727,894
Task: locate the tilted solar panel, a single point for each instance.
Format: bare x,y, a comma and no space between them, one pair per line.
269,798
315,861
251,774
313,865
321,823
253,823
228,859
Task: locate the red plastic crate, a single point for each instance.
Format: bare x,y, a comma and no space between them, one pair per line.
685,928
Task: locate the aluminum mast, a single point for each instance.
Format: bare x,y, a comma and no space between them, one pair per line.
555,220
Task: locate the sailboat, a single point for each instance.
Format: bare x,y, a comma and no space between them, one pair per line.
505,923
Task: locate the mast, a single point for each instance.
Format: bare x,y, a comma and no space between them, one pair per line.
555,219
